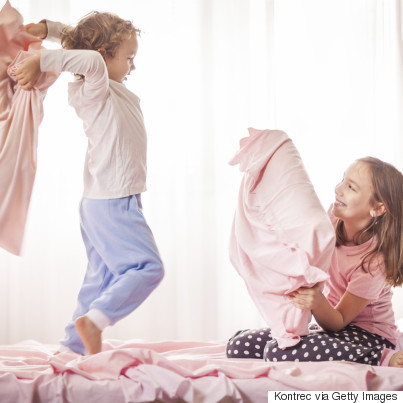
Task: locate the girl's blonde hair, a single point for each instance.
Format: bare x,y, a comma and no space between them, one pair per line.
387,229
103,32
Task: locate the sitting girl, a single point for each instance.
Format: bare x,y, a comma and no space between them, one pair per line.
353,307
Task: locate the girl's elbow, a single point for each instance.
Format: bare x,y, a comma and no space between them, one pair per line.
332,327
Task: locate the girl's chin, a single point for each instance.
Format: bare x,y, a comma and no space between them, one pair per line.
336,211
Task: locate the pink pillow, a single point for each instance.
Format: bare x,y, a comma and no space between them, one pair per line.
282,238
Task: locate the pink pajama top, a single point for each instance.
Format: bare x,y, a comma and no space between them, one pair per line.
115,163
346,274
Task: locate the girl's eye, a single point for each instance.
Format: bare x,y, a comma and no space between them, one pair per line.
351,187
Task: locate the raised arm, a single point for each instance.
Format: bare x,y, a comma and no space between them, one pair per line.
87,63
46,29
40,29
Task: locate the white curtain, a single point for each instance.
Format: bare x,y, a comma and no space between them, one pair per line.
328,72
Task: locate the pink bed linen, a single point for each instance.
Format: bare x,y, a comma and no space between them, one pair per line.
281,238
135,371
21,113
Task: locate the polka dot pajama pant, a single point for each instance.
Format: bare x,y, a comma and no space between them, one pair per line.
349,344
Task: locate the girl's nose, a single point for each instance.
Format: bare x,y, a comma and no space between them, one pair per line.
339,188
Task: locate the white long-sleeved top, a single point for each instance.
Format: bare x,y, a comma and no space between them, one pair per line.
115,163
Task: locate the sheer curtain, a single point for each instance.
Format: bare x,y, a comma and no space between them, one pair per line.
327,72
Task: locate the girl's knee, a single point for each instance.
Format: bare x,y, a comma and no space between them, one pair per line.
235,347
248,344
160,273
231,350
155,272
149,273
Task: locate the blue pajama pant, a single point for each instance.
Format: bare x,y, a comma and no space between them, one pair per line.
124,265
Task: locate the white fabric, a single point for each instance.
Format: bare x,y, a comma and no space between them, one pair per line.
115,164
98,318
55,29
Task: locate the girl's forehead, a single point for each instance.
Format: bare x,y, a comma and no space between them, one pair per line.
360,172
130,42
358,167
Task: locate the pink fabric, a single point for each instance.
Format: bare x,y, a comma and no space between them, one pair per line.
20,116
169,371
387,354
346,274
281,238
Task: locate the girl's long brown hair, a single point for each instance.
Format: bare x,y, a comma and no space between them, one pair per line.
387,229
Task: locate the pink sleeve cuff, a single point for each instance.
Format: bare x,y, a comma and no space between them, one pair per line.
386,356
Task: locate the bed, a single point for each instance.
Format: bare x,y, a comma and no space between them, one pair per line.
171,371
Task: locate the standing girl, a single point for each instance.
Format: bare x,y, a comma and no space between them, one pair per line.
354,308
124,265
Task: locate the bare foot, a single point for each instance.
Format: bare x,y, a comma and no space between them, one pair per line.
90,335
397,360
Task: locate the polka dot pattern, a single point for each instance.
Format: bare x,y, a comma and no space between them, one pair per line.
349,344
249,343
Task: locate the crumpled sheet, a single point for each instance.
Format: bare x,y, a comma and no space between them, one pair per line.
167,371
21,113
281,238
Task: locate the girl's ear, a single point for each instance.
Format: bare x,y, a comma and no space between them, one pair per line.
378,210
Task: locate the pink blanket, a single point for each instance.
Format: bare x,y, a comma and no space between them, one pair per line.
168,371
281,237
21,113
